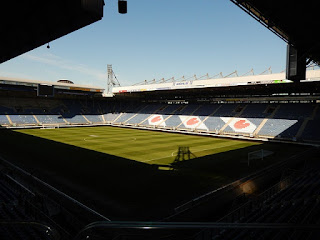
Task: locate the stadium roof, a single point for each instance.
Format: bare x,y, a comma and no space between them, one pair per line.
296,22
26,25
274,78
61,85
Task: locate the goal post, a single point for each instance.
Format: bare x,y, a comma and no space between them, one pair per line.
258,155
49,126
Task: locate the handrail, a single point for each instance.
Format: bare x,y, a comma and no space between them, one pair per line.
54,189
197,225
202,198
46,229
260,198
148,227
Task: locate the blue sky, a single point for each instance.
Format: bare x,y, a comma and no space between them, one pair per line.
156,39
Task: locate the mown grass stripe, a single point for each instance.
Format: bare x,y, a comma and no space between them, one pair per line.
140,145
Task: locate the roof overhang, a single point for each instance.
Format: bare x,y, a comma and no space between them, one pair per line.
26,25
57,85
275,78
296,22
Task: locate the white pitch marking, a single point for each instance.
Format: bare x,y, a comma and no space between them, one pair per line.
192,152
90,136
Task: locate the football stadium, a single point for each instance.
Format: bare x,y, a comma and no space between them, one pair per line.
211,157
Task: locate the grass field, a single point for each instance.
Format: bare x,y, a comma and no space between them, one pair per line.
144,146
111,169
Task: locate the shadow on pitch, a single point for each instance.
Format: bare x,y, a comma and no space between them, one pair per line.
116,185
120,188
234,164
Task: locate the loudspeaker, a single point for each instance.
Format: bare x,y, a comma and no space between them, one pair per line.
122,6
296,64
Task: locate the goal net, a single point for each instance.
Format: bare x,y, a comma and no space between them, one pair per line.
258,155
49,126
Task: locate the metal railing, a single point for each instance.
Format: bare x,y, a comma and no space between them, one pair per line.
23,229
234,185
183,230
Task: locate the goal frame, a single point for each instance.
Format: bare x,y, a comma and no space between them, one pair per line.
256,155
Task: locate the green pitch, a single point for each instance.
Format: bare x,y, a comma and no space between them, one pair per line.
110,168
150,147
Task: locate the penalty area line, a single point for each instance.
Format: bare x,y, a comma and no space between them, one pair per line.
202,150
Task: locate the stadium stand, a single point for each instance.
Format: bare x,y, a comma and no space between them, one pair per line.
294,200
21,219
172,121
33,209
295,122
143,114
206,110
